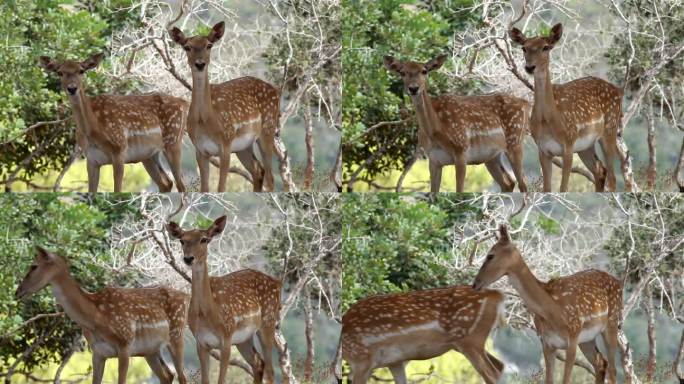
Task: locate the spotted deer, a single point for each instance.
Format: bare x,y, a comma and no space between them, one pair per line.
389,330
464,130
115,129
116,322
568,311
230,309
571,117
229,117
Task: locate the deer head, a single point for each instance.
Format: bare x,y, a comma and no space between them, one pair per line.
501,259
198,48
414,74
536,49
195,241
45,267
71,72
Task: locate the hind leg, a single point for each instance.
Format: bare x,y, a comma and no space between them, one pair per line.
591,352
481,363
173,156
159,368
266,148
266,337
360,371
609,147
254,168
499,175
399,373
515,156
611,338
592,162
175,349
157,174
252,358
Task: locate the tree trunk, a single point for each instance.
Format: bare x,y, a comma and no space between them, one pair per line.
679,169
651,171
406,170
678,360
627,362
284,359
626,165
308,140
336,174
309,332
285,170
651,362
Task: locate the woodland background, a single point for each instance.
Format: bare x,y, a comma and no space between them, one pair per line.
119,239
294,44
637,45
420,241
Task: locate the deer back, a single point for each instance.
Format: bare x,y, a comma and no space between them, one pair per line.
588,101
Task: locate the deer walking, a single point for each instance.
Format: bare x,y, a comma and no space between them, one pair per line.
113,129
389,330
569,311
464,130
571,117
116,322
230,309
229,117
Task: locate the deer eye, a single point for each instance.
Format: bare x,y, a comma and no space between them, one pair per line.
424,71
546,47
490,256
59,73
524,49
81,72
210,45
33,267
182,242
204,240
187,48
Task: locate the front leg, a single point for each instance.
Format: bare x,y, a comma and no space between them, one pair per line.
98,367
225,359
435,176
460,162
203,163
547,170
123,364
93,175
549,361
567,166
224,158
118,165
203,354
569,359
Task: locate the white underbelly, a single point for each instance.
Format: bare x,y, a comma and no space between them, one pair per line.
391,354
207,338
103,348
440,156
552,147
142,145
587,334
243,334
207,145
242,142
481,153
98,156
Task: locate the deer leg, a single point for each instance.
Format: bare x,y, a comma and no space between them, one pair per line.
205,363
515,156
435,176
203,163
252,358
499,175
611,339
254,168
567,166
460,172
173,156
547,170
609,147
496,363
549,361
399,372
593,163
225,358
159,368
157,175
224,161
118,165
175,349
570,354
591,352
93,176
483,366
360,371
266,337
123,364
98,368
266,148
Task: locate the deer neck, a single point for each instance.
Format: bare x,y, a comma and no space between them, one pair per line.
83,113
201,300
76,303
425,113
534,295
200,104
543,93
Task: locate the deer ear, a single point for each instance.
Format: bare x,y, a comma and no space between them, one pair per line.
217,32
174,229
435,63
517,36
556,33
503,234
48,64
92,62
177,36
43,255
392,64
217,226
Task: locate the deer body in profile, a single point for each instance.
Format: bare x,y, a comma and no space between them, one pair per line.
116,322
117,130
568,312
229,310
465,130
229,117
570,118
389,330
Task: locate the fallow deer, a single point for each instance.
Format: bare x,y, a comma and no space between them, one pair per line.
389,330
464,130
570,118
230,309
114,129
229,117
116,322
568,311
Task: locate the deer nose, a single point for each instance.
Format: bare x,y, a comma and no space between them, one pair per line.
200,66
413,89
530,68
72,89
189,260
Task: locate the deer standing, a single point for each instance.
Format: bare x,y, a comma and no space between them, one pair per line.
113,129
389,330
464,130
116,322
229,117
231,309
568,311
570,118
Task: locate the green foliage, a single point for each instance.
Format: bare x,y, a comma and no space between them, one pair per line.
395,242
70,226
409,30
62,29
